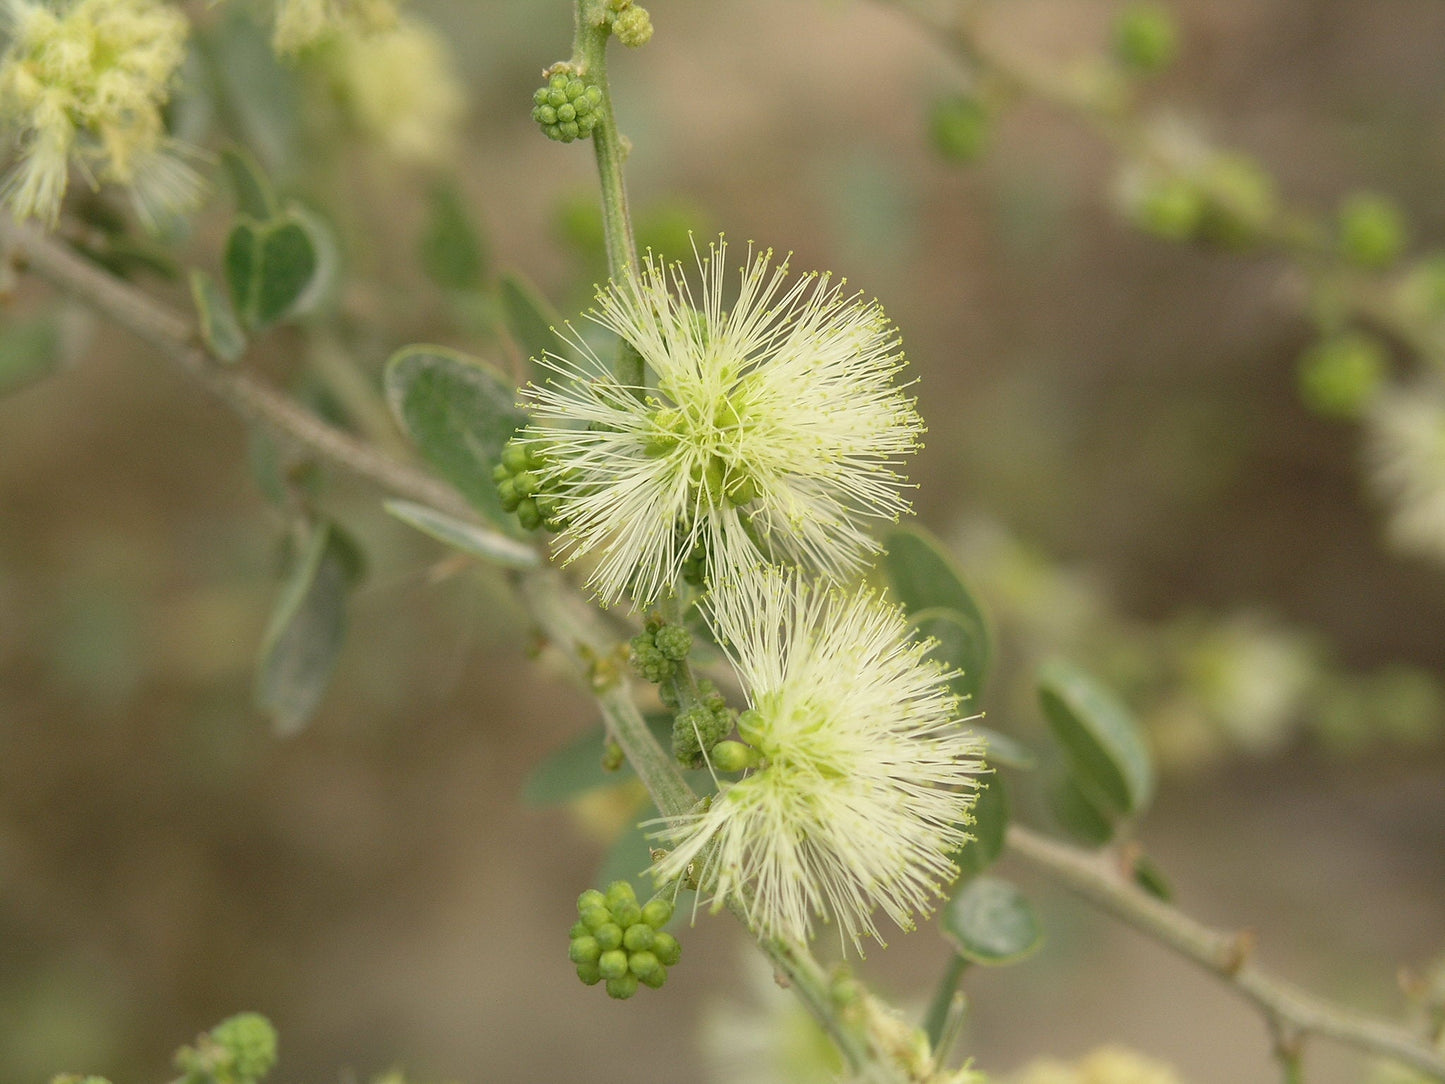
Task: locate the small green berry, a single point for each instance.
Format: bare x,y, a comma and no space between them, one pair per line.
584,950
609,936
622,988
591,974
666,948
657,913
638,937
612,964
642,963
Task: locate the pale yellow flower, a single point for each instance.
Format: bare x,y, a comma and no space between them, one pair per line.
303,23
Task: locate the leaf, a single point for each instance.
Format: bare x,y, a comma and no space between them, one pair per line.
529,317
990,824
1077,814
577,768
1104,746
29,351
252,189
1005,750
469,538
924,578
303,640
990,922
460,413
271,268
220,331
1149,877
630,857
259,94
961,646
450,248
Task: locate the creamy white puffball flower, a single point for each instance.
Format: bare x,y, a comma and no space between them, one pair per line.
771,428
83,83
866,777
1405,441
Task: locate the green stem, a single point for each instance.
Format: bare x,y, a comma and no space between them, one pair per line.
941,1007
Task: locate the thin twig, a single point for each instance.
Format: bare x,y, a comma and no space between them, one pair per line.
1291,1011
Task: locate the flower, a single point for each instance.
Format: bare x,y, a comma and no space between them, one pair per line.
773,427
1110,1064
86,82
1405,435
303,23
866,778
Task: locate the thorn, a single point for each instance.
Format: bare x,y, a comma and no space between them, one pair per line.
1241,948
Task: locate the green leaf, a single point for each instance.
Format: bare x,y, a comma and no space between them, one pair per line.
258,94
241,262
303,640
1077,814
450,248
29,351
577,768
924,578
630,857
271,268
1105,748
990,922
1004,750
990,824
460,413
252,189
469,538
220,331
530,318
961,646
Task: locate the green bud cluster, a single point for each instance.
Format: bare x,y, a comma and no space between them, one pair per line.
1339,376
238,1050
621,943
1372,231
568,107
631,23
1146,38
697,729
959,127
1228,203
657,649
519,485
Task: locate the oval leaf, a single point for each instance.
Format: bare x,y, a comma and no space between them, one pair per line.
220,330
1006,751
1077,814
469,538
460,413
254,197
530,318
990,824
1106,751
990,922
303,641
450,247
924,578
961,645
288,264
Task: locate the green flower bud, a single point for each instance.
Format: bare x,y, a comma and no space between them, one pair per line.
619,893
750,726
507,492
566,112
612,964
591,974
579,929
584,950
622,988
539,96
249,1042
666,948
500,473
1171,208
733,756
654,979
544,115
657,913
959,127
1240,199
567,129
526,483
638,937
633,27
527,514
595,917
516,457
642,963
674,641
590,899
1339,376
575,89
557,97
627,915
609,936
1146,38
1372,231
612,757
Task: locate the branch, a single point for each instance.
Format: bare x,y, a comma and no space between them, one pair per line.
175,336
1290,1011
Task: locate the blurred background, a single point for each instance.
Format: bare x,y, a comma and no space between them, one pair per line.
1117,454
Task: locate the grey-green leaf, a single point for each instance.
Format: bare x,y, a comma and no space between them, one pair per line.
924,578
631,856
577,767
288,264
241,262
469,538
303,640
460,413
450,247
530,318
220,330
990,824
961,646
1004,750
1077,813
990,922
1105,748
254,196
